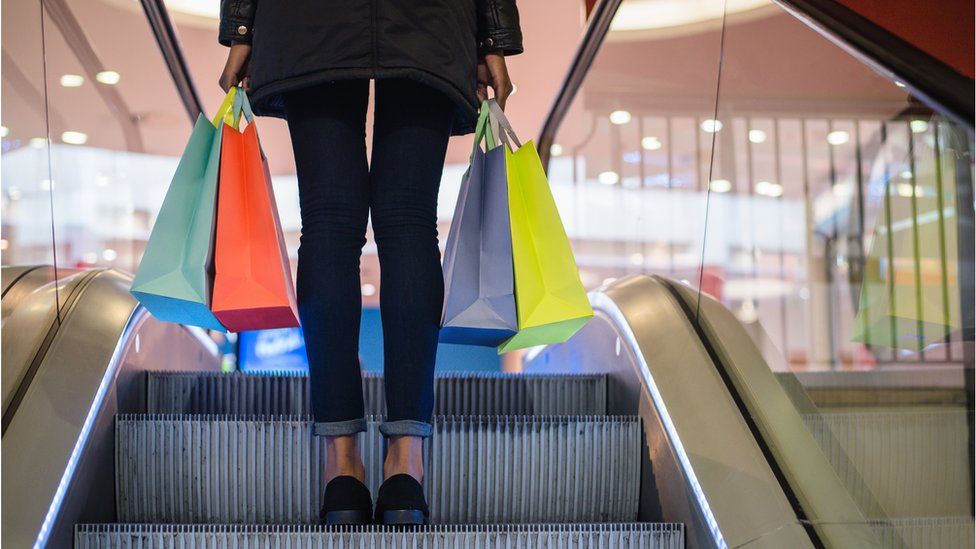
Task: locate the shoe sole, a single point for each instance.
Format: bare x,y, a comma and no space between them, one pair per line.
404,517
347,517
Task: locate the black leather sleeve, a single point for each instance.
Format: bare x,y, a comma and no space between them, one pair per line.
498,27
236,21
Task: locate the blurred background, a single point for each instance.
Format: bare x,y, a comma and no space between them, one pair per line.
755,160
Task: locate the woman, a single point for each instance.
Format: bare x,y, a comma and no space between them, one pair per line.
311,61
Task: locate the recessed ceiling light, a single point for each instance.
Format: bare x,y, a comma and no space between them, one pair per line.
556,149
838,137
720,186
767,188
711,125
74,138
905,190
368,289
108,77
918,126
757,136
72,80
609,178
109,254
619,117
4,130
38,142
650,143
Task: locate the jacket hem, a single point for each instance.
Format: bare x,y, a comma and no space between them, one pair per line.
267,100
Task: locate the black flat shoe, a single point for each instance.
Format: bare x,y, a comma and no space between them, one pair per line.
346,501
401,501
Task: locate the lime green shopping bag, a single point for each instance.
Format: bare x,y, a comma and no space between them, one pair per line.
550,301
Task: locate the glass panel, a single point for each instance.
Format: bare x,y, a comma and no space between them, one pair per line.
117,127
26,192
629,164
834,237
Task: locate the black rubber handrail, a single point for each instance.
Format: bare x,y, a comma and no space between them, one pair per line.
929,79
169,47
596,31
944,89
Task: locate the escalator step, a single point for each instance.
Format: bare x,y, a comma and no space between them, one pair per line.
532,536
491,393
480,469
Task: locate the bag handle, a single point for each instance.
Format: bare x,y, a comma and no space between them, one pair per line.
242,106
505,130
483,131
225,113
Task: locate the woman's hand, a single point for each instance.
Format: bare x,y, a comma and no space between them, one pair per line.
237,69
493,72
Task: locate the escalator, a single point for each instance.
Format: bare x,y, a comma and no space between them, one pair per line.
666,422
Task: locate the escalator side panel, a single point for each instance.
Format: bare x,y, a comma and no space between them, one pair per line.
819,491
706,469
58,451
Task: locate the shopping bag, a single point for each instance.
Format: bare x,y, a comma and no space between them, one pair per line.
903,300
253,289
549,296
175,275
479,300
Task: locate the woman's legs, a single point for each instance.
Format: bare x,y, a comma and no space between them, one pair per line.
327,125
412,124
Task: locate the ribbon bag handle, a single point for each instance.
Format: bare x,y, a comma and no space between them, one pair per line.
483,131
225,113
505,130
242,106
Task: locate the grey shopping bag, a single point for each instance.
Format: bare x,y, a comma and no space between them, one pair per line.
479,280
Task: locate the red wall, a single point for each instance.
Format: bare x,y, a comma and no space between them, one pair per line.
943,28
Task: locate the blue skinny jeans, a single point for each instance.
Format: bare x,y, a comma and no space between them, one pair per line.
339,191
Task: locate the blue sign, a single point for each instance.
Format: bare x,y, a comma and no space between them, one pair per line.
273,350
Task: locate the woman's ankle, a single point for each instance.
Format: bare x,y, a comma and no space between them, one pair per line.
343,458
404,455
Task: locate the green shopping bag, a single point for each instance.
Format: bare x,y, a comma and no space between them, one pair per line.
175,276
907,295
550,301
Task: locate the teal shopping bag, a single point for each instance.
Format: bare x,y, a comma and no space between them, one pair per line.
175,276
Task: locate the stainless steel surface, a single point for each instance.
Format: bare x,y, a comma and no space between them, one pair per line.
705,468
823,498
519,469
57,448
491,393
532,536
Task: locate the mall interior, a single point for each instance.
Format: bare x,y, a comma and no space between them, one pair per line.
771,206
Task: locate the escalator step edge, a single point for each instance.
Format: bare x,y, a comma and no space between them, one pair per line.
454,393
480,469
556,536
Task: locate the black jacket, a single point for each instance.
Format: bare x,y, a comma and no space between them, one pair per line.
297,43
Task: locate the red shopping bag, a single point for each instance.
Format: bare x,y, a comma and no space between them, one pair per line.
253,289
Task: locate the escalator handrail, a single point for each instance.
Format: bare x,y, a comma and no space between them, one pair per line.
169,47
923,75
928,78
596,30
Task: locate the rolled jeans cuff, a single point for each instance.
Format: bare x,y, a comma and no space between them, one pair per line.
339,428
407,427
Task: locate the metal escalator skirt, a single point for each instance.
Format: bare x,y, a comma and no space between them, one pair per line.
491,393
206,469
556,536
